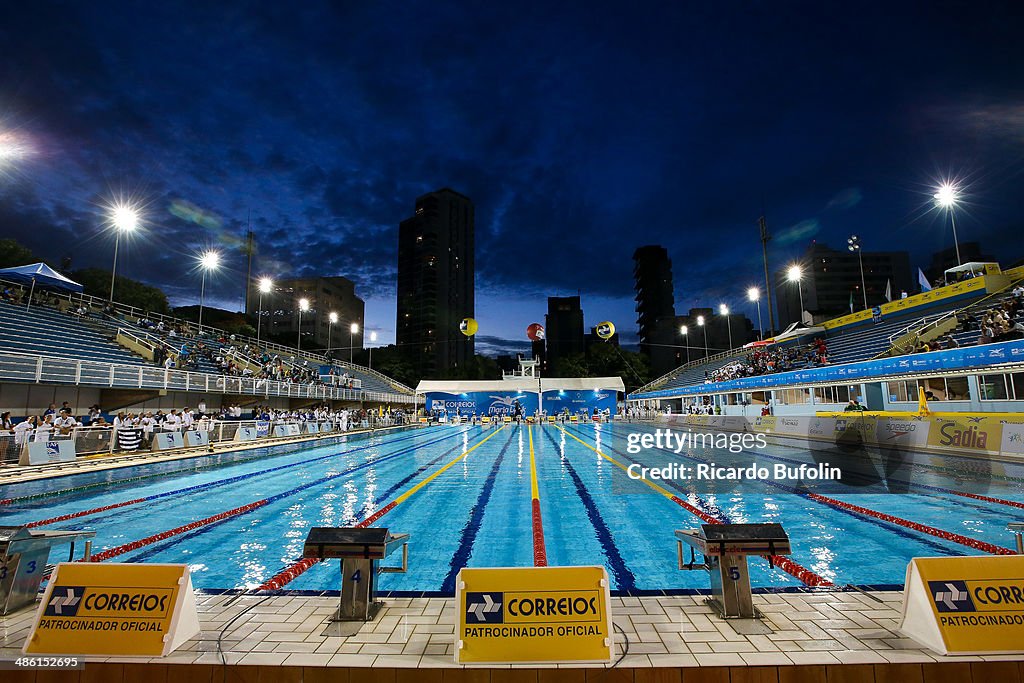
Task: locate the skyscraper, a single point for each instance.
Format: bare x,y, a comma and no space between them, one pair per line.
655,307
435,283
564,330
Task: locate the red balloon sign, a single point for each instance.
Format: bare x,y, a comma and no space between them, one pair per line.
535,332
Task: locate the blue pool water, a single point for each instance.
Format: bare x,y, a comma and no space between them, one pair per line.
478,512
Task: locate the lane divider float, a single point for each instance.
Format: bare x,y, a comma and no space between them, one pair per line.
290,573
540,555
794,569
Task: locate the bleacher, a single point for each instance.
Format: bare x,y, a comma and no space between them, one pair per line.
850,343
47,332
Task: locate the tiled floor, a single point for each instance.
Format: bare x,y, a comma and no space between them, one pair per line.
807,628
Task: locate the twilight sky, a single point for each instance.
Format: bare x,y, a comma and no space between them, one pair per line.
580,130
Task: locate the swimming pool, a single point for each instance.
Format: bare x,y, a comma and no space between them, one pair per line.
466,495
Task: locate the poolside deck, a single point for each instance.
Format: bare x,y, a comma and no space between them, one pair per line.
825,636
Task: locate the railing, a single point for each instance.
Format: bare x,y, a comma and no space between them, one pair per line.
99,440
136,313
909,336
23,367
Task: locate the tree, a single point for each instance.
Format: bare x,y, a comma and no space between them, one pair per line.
96,282
13,253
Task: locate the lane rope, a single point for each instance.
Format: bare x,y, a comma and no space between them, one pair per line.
540,555
296,569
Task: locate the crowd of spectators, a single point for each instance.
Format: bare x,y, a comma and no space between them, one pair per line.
61,422
767,361
997,323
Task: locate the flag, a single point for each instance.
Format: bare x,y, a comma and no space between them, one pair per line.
851,301
888,290
925,287
129,439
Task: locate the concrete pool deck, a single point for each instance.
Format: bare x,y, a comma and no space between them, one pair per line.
810,631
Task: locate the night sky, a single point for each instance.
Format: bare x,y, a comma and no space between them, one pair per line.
580,131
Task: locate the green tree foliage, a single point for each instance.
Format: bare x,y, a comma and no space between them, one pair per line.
126,291
13,253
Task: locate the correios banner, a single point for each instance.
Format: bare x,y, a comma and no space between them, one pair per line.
965,605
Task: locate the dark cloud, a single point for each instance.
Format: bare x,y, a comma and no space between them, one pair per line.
580,131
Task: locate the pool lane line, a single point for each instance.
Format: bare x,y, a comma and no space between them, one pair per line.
398,485
715,510
967,541
211,484
285,576
228,514
221,462
540,554
794,569
625,580
472,527
927,487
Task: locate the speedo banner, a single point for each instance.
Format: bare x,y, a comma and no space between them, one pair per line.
533,614
965,605
115,609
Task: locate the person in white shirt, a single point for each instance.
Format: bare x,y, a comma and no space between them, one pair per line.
65,423
201,407
23,430
44,429
186,418
172,423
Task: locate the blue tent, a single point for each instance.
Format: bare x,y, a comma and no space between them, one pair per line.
39,275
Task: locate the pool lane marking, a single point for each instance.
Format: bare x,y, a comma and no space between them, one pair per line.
398,485
214,484
927,487
220,517
285,576
789,566
898,531
472,527
624,578
540,555
885,517
188,470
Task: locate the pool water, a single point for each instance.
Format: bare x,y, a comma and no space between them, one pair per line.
471,506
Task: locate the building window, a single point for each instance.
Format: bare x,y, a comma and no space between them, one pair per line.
993,387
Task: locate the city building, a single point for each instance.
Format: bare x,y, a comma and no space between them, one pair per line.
718,329
831,280
435,283
279,312
564,335
655,307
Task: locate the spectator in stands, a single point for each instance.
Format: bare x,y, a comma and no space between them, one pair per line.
5,421
65,423
23,430
148,424
854,406
52,410
44,428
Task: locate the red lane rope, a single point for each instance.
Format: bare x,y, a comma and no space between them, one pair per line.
794,569
135,545
916,526
83,513
990,499
540,555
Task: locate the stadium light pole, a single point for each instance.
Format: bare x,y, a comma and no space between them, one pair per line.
795,274
303,306
946,198
331,320
700,323
853,244
685,331
754,294
353,330
209,262
124,219
373,339
724,310
266,285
